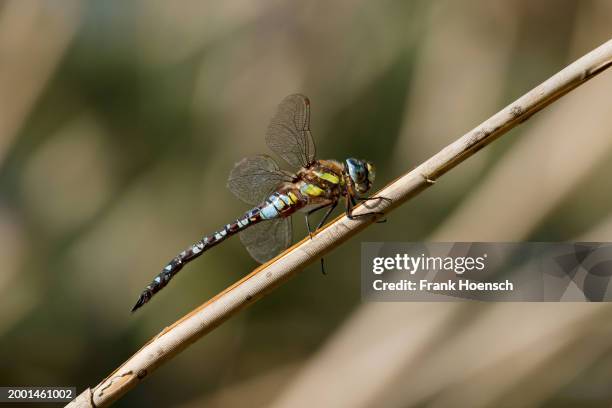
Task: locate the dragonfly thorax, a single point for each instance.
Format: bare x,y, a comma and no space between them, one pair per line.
323,179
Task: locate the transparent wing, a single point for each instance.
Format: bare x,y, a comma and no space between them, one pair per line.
267,239
253,178
289,132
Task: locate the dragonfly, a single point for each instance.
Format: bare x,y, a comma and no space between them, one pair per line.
276,194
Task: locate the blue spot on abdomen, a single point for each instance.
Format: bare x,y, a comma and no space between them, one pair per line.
269,212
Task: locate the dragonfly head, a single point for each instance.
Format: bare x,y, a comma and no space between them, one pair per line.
362,174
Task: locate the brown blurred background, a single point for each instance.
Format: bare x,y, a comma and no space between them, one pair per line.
119,122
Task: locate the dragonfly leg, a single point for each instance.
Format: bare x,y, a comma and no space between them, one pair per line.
308,224
385,199
348,209
325,217
351,202
310,231
327,214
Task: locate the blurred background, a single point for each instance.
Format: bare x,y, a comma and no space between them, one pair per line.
119,122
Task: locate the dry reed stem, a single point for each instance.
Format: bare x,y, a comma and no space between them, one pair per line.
262,280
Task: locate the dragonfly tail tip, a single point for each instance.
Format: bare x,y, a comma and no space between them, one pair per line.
141,301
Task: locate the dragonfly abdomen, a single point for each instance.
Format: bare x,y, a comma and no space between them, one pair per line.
280,204
176,264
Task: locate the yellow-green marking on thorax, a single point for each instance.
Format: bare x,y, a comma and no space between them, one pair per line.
332,178
311,190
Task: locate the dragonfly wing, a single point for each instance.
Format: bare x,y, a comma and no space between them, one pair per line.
289,132
253,178
267,239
